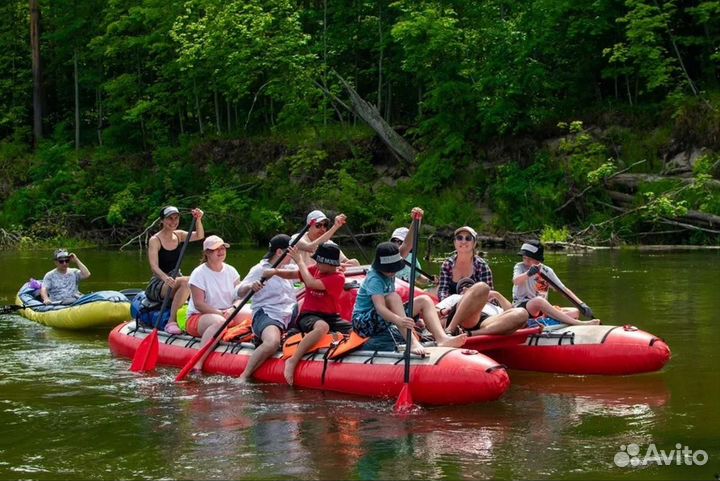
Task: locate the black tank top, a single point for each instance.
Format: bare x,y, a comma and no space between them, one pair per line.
167,259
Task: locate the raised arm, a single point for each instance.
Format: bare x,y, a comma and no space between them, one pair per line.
407,244
84,271
311,246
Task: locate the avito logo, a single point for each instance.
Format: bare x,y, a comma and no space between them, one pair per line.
682,455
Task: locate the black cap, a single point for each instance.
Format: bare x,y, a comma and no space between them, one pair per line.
388,258
464,283
533,249
280,241
327,253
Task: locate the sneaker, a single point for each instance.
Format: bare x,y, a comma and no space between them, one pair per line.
173,328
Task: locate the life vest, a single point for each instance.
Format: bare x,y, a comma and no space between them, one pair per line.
241,332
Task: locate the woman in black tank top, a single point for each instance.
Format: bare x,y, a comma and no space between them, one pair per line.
163,253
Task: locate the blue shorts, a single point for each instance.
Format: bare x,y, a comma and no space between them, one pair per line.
384,336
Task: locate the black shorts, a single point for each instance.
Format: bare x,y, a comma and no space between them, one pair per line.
307,321
154,289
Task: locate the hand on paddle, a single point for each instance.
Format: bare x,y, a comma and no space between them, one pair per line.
197,213
533,270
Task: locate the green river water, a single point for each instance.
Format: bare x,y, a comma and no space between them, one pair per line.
69,410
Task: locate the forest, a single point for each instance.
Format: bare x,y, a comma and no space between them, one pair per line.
590,121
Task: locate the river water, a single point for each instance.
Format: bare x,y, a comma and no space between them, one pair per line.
69,410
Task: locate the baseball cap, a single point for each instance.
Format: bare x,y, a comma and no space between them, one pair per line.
279,241
168,211
466,228
213,242
316,216
327,253
61,254
533,250
400,233
388,258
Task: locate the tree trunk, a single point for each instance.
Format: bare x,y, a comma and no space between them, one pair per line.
227,113
36,71
380,60
100,114
77,100
397,144
217,111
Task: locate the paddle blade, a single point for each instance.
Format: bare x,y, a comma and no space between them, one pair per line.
404,401
146,356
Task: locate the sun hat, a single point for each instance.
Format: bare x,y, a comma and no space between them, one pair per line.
61,253
279,241
168,211
316,216
400,233
213,242
388,258
533,249
466,228
327,253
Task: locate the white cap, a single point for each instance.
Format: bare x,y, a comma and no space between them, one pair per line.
400,233
316,215
468,229
213,242
170,210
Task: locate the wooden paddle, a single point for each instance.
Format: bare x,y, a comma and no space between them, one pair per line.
216,336
404,401
146,356
582,307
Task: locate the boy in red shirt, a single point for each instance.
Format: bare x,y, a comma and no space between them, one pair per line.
319,313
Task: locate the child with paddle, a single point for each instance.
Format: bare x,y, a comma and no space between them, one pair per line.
403,237
320,310
379,312
531,285
274,303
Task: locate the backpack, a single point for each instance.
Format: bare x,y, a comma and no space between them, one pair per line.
147,312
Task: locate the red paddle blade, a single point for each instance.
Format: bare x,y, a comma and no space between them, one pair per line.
146,356
404,401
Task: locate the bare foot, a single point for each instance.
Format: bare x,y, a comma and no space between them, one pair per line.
591,322
290,371
418,349
453,341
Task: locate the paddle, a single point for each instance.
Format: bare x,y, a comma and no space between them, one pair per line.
404,401
582,307
146,356
10,308
216,336
429,276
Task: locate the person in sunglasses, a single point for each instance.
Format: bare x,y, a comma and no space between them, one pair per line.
469,315
320,232
60,285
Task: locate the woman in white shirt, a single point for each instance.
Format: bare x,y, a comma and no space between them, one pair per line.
213,287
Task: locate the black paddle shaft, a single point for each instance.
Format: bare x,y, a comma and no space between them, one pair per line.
413,272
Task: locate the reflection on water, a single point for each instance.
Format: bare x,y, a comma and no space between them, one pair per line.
71,411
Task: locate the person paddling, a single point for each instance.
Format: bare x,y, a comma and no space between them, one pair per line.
403,238
530,289
163,251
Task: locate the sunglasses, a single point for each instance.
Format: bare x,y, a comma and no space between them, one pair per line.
323,225
467,238
396,241
63,261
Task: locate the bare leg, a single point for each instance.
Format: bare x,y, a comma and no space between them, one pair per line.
180,296
470,307
395,304
505,323
271,336
424,306
207,327
320,328
540,304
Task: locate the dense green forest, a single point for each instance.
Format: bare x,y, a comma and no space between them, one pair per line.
591,121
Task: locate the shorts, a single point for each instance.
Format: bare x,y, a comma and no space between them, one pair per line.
369,323
387,340
192,324
307,321
153,291
261,321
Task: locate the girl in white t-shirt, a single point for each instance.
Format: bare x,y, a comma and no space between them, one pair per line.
213,287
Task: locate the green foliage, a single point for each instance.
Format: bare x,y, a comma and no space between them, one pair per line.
551,234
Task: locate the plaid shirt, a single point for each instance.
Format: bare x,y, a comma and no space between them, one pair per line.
481,273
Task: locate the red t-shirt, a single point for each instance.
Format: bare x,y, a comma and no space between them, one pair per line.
327,301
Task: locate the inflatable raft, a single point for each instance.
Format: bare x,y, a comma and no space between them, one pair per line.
607,350
97,309
444,376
